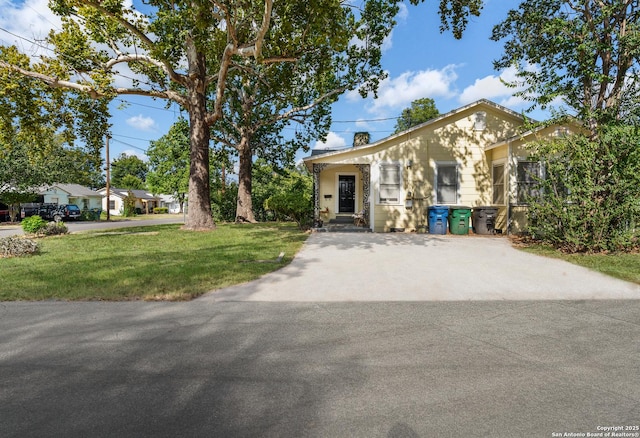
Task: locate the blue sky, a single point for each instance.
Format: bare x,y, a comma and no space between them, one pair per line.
420,61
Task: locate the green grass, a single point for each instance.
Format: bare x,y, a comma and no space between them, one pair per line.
625,266
150,263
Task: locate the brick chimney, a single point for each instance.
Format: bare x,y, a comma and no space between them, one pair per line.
360,138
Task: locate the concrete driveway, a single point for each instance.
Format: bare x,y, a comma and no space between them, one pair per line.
423,267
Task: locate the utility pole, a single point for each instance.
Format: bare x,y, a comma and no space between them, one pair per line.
108,169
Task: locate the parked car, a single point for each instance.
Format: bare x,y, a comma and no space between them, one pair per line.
59,212
4,212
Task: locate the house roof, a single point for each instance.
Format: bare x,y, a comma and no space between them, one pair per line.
123,193
77,190
569,122
73,190
478,103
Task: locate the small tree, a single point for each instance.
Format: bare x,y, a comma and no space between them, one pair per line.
169,162
128,172
420,111
590,191
293,200
129,205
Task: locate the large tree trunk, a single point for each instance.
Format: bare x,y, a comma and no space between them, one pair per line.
244,205
199,215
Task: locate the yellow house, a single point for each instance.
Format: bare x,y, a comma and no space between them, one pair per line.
472,156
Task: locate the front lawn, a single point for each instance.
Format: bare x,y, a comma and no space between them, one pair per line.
625,266
154,262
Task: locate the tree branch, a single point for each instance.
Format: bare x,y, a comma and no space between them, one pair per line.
54,82
122,58
167,67
170,95
290,114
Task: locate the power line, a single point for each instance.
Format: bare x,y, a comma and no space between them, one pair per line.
365,120
128,144
131,138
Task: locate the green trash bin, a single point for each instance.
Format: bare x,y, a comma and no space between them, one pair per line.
459,219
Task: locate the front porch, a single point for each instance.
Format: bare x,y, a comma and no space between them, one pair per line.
343,224
341,197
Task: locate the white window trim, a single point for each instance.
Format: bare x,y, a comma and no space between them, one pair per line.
356,195
435,181
505,179
517,182
377,184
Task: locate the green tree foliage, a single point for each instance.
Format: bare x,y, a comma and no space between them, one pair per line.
420,111
184,50
128,171
223,202
590,192
293,198
265,181
61,127
131,182
22,171
584,53
129,205
169,162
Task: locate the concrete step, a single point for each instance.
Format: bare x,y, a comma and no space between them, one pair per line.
342,228
343,219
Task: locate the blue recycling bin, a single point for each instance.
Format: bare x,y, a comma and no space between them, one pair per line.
438,219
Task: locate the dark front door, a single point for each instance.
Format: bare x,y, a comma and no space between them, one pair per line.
346,193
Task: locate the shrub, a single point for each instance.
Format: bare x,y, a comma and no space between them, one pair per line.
54,229
590,192
161,210
129,205
293,199
33,224
15,246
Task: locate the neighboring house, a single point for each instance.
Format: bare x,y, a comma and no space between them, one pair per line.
145,202
169,201
83,197
472,156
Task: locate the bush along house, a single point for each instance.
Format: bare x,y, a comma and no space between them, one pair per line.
473,156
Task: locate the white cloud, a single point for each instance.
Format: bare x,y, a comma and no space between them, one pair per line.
362,124
333,141
399,92
138,153
142,123
403,13
31,20
493,87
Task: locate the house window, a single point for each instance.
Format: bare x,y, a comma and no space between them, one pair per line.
389,183
112,204
528,175
85,204
498,184
447,183
480,123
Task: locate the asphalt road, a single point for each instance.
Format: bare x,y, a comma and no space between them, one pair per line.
11,230
259,369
